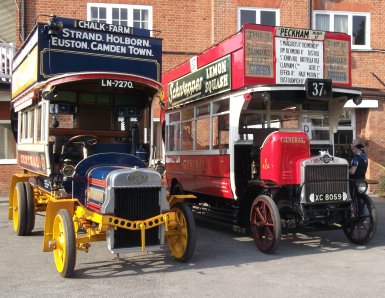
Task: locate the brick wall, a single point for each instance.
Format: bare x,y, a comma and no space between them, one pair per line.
4,110
6,172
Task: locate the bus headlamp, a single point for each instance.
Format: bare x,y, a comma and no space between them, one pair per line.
68,171
362,186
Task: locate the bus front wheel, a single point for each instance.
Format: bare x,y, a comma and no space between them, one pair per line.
265,224
65,243
181,238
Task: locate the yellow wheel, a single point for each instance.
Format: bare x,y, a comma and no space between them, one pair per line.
181,239
65,243
19,209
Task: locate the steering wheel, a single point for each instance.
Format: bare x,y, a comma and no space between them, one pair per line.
85,140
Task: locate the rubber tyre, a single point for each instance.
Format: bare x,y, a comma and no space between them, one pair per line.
65,243
19,209
265,224
361,229
177,189
30,208
181,240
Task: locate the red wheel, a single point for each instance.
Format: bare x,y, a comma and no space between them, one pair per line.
265,224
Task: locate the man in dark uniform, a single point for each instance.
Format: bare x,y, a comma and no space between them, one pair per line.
357,171
359,163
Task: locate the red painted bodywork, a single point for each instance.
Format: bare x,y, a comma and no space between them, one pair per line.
281,155
209,174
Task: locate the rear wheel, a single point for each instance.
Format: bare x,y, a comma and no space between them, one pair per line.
30,208
65,243
19,212
361,228
181,239
265,224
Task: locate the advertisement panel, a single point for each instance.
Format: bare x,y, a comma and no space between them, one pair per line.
211,79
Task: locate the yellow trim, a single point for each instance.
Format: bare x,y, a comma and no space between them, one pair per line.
84,218
15,178
173,199
25,74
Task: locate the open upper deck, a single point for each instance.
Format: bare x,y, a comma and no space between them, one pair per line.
67,46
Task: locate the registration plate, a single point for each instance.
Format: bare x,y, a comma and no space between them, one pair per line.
328,197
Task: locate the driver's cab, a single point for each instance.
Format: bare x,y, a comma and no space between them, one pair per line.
74,120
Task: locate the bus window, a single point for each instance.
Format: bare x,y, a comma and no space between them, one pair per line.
38,135
221,131
203,127
30,125
187,129
173,130
220,124
316,126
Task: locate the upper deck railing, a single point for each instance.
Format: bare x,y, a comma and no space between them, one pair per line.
6,56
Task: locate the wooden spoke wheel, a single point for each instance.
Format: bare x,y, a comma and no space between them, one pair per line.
361,228
181,239
65,243
265,224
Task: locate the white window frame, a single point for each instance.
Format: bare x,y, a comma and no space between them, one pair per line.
257,11
7,161
44,118
130,9
350,25
28,124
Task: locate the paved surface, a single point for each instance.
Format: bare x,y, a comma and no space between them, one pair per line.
225,264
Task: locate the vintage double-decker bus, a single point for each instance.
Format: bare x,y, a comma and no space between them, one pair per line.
82,99
249,129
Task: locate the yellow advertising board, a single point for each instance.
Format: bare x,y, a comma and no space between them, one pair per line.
25,74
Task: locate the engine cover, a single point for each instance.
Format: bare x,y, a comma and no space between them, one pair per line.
103,181
281,154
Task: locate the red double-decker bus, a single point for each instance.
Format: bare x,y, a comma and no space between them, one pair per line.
249,129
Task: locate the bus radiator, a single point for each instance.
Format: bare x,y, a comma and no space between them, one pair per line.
136,204
326,182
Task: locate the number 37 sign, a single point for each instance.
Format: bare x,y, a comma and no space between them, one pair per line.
318,88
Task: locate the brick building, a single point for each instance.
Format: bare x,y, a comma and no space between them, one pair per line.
189,27
7,48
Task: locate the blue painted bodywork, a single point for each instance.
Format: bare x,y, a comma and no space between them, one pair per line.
103,164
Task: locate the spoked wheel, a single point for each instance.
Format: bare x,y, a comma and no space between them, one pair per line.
265,224
30,208
181,239
65,243
361,228
19,212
